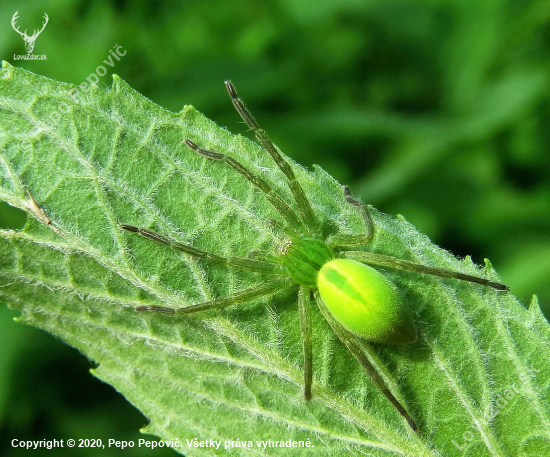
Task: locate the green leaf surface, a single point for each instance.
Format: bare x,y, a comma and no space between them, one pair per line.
476,382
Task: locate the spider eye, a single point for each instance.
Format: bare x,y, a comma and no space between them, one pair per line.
285,247
365,303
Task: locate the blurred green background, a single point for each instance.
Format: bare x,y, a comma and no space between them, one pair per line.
438,110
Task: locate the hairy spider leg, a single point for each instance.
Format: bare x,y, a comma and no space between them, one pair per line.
302,203
348,240
346,337
261,290
276,201
297,191
350,341
246,264
293,226
387,261
304,306
381,260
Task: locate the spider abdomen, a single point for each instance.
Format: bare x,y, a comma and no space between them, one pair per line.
365,303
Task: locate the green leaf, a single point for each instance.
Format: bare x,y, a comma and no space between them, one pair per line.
97,157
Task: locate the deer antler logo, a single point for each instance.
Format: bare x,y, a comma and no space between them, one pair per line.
29,40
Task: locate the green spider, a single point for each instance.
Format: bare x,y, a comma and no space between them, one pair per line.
357,301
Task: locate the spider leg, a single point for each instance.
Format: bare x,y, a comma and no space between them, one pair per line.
297,191
265,288
355,348
282,228
304,304
345,240
259,266
400,264
276,201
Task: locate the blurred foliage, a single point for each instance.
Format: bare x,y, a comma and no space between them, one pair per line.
439,111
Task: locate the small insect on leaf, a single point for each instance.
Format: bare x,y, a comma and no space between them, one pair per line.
40,214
